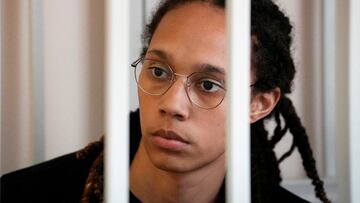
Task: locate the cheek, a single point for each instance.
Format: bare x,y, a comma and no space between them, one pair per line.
213,143
219,124
141,98
213,125
147,108
146,102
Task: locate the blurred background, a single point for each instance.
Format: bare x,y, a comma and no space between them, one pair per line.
52,82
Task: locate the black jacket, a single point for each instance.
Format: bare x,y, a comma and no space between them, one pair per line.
62,179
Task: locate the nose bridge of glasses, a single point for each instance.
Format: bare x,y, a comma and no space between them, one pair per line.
181,75
182,82
184,76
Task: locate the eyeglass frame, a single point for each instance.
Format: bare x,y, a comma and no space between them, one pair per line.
174,74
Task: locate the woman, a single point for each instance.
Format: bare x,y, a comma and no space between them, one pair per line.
178,135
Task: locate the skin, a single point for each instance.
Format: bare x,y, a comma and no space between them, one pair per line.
187,37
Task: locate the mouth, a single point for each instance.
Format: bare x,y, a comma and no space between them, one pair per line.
169,140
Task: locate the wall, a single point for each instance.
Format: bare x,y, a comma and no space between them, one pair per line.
16,142
73,80
73,74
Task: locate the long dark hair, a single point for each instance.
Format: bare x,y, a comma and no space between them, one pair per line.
273,66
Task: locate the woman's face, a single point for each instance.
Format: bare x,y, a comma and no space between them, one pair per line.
179,136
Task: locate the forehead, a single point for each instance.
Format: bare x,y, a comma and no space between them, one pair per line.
190,35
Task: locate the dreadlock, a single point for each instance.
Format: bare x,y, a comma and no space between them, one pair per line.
273,67
302,143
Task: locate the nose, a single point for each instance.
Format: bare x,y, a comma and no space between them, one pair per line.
175,103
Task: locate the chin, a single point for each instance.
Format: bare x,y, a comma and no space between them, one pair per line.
171,162
173,166
176,163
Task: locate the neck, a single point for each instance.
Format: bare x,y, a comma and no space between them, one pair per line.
151,184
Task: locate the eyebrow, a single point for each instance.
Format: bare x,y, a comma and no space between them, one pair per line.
159,53
207,68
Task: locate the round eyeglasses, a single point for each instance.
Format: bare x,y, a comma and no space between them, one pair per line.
205,90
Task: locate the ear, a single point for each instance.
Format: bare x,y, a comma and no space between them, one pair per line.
263,103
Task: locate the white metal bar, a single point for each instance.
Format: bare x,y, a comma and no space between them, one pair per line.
354,99
37,80
238,147
1,91
329,86
342,101
117,103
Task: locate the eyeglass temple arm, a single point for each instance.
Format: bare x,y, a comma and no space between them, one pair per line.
133,64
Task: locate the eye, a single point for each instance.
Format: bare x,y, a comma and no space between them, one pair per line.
209,85
159,73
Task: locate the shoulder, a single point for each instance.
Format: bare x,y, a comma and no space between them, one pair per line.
283,195
57,180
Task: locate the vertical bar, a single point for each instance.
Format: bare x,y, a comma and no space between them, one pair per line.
329,87
342,101
37,81
1,91
238,147
117,103
354,100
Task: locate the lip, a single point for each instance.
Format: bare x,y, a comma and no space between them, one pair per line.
169,140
